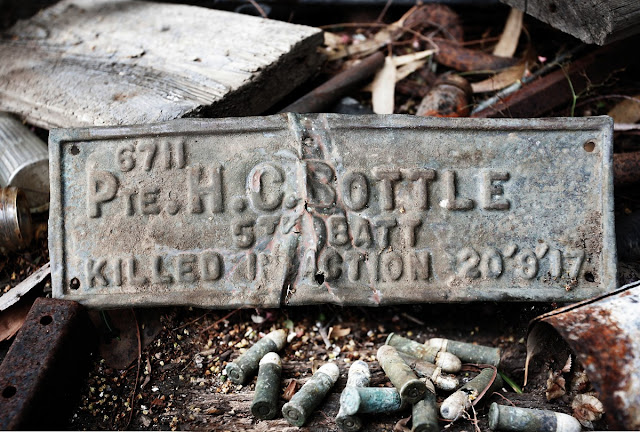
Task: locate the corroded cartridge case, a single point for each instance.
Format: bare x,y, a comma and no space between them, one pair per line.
467,352
453,406
363,400
246,365
424,415
358,376
16,231
265,398
302,404
400,374
425,369
447,361
508,418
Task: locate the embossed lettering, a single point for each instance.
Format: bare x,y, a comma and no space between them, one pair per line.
157,274
392,266
132,277
210,265
353,260
208,194
451,201
418,265
355,190
491,190
320,192
384,226
420,179
338,234
184,268
330,264
102,187
93,270
410,226
386,177
243,235
149,201
361,230
264,184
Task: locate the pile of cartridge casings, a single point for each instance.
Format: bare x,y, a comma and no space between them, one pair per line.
415,370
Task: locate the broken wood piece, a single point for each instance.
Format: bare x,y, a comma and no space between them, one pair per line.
85,62
594,22
16,293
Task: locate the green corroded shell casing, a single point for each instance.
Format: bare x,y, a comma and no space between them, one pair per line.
366,400
508,418
265,398
302,404
359,376
447,361
400,374
467,352
246,365
425,369
453,406
424,415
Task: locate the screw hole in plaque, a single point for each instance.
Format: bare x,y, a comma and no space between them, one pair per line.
9,391
553,8
74,284
319,277
589,277
46,320
589,146
74,150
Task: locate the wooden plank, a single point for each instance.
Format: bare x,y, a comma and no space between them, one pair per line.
86,62
592,21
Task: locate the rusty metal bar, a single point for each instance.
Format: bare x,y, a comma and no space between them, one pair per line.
626,168
42,370
323,96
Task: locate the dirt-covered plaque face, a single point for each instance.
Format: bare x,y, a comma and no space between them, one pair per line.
370,210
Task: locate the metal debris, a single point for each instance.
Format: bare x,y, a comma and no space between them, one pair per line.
302,404
247,364
16,230
508,418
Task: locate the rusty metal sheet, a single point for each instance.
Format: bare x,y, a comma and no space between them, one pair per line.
604,333
361,210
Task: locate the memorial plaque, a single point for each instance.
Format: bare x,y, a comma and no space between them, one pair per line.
355,210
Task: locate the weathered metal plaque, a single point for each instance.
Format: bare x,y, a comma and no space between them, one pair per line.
355,210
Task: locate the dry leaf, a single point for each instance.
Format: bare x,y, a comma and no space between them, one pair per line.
508,42
627,111
580,382
555,385
410,58
383,88
587,409
401,425
290,390
500,80
339,331
12,318
404,71
567,365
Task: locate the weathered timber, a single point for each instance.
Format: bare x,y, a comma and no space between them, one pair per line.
593,21
86,62
370,210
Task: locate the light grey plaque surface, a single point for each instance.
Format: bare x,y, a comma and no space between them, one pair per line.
359,210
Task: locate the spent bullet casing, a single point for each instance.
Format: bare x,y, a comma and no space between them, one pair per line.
400,374
453,406
508,418
358,376
447,361
265,399
467,352
424,414
246,365
425,369
302,404
363,400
